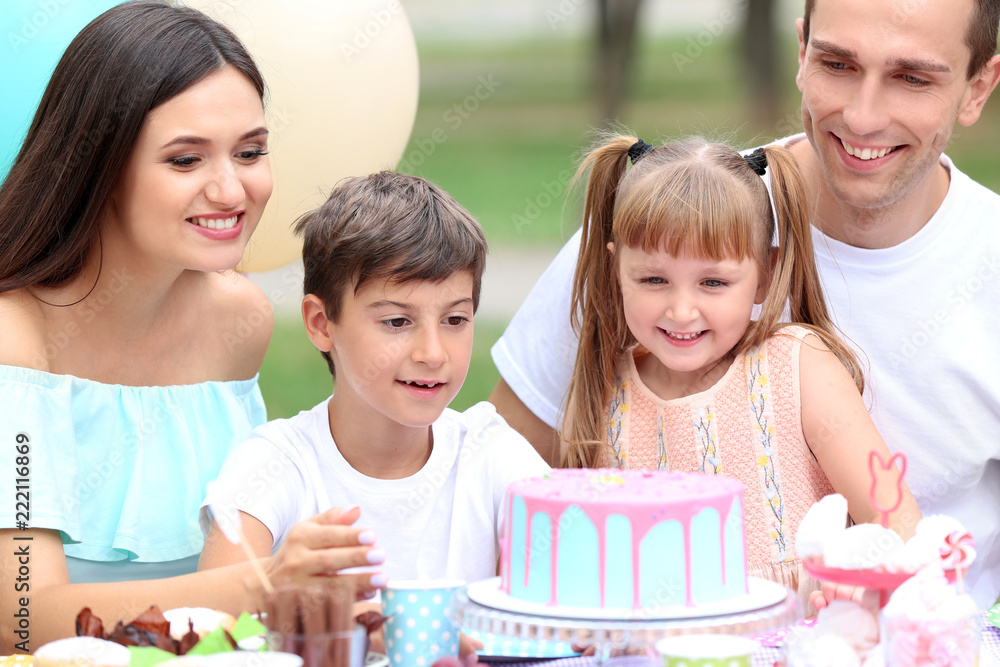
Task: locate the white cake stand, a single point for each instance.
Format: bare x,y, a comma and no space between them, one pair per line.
608,633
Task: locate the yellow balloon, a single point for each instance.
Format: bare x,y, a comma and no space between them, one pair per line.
343,81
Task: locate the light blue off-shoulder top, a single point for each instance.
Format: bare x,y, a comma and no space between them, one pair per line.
119,471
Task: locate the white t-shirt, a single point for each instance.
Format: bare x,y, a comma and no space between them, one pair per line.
442,522
925,314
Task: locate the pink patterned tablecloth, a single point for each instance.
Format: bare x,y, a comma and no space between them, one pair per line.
763,657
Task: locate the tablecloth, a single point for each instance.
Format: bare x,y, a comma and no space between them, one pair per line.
763,657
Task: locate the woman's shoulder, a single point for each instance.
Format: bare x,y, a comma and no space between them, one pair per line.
241,319
23,336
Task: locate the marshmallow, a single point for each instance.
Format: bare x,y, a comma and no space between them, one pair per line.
821,651
863,546
851,622
824,522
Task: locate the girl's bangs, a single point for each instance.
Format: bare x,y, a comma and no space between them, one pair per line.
715,226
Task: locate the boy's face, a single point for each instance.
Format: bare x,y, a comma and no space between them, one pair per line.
403,349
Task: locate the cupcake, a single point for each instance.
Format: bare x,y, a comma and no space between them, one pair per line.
201,620
236,659
81,652
928,622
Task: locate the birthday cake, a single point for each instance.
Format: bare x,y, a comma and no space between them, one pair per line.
624,539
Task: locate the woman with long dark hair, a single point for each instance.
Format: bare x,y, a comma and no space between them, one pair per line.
129,348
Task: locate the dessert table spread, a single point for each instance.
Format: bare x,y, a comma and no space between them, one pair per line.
765,656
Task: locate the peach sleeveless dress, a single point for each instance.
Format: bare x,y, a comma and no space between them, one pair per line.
747,426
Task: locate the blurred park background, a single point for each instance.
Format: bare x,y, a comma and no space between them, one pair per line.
511,93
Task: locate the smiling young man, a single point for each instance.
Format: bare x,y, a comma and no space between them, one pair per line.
908,249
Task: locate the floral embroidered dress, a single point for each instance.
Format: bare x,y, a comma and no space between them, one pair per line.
747,426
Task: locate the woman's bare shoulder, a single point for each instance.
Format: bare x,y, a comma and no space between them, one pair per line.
24,340
242,318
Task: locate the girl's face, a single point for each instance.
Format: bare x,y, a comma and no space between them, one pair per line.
198,178
689,312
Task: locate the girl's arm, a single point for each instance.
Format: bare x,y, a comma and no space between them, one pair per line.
841,435
38,581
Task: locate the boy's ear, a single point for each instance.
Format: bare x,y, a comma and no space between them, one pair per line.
318,327
765,282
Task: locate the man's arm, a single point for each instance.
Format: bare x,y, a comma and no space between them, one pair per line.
542,437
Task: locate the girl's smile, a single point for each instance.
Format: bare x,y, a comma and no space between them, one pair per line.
682,340
688,311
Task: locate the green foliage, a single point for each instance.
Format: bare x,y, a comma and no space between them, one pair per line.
501,126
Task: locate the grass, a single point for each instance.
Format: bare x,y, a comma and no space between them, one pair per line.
507,154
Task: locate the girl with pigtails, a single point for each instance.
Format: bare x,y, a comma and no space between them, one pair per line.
675,372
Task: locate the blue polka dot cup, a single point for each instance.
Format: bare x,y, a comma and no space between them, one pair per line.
706,650
419,629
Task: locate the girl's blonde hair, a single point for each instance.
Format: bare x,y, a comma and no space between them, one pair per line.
689,197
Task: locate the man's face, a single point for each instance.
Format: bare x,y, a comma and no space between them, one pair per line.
883,82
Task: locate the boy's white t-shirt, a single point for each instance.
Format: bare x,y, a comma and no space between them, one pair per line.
442,522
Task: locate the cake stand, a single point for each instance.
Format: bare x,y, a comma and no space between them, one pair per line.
610,632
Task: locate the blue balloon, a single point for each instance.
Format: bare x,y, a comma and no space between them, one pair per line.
33,36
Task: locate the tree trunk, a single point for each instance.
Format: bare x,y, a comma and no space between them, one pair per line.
616,28
760,53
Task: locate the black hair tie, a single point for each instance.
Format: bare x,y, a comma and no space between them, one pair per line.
757,161
638,150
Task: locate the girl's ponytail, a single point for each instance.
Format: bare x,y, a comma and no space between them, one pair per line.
596,306
795,280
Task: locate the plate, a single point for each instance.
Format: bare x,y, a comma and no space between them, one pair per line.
761,594
502,648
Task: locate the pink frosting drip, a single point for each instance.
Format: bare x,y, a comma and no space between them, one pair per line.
647,498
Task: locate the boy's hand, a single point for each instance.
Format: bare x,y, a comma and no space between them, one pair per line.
324,545
467,648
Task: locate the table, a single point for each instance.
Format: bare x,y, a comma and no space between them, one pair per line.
763,657
530,634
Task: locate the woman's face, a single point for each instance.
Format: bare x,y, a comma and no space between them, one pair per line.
198,178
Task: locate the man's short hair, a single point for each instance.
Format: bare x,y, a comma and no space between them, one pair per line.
387,226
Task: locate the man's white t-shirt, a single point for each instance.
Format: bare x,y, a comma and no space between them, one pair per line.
925,316
443,522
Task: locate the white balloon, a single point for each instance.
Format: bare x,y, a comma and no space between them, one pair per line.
343,81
